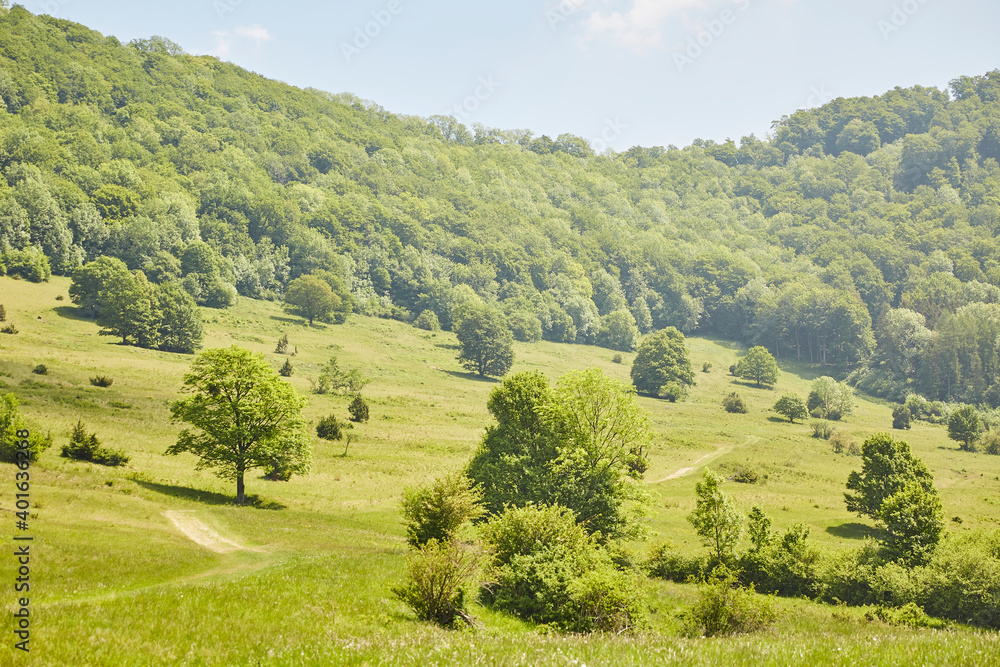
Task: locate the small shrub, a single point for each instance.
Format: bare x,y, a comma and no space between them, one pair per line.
286,369
282,346
40,369
436,511
9,329
734,403
672,391
706,367
59,297
358,409
909,615
990,443
10,423
725,608
428,321
901,417
732,369
822,429
329,428
85,446
617,358
667,563
277,472
440,577
745,476
841,443
853,449
102,381
3,313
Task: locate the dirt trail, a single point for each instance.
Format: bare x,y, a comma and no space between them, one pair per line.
201,534
694,466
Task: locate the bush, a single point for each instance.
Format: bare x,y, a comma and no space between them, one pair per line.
286,369
665,562
428,321
725,608
9,329
901,417
672,391
436,511
734,403
909,615
547,569
745,475
617,358
282,346
822,429
3,313
102,381
40,369
329,428
440,576
841,443
786,565
358,409
991,443
11,422
85,446
706,367
962,581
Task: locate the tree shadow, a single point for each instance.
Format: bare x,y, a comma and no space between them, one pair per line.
72,313
208,497
853,531
298,322
448,346
780,420
749,384
472,376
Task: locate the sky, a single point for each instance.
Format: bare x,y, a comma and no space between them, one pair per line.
618,73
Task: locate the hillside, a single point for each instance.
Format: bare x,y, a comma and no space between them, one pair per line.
306,579
857,237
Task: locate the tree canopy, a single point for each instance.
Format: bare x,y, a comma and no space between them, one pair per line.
662,359
758,365
486,340
243,416
887,467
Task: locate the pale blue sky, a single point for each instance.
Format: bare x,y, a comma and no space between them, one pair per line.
629,70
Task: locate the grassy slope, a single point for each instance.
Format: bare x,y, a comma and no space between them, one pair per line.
116,582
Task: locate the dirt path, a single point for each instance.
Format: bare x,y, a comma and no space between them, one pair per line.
201,534
694,466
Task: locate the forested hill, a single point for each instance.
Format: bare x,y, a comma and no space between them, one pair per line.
861,236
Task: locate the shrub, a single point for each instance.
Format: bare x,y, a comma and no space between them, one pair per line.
822,429
786,565
745,476
286,369
853,449
667,563
706,367
547,569
672,391
329,428
962,581
991,443
85,446
901,417
8,329
102,381
11,422
428,321
282,346
40,369
358,409
440,576
725,608
909,615
3,313
734,403
617,358
436,511
841,443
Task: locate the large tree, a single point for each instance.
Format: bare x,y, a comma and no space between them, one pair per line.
662,359
886,469
759,366
486,340
244,416
964,427
311,298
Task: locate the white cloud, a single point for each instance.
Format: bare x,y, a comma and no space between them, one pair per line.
224,38
641,25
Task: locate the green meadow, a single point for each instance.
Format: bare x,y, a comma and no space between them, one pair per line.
114,581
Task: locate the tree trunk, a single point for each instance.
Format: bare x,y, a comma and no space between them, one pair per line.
241,496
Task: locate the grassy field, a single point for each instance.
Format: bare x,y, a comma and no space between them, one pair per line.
115,582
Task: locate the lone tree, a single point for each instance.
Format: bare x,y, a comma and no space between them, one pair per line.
791,406
244,417
311,298
714,517
662,360
758,365
487,343
964,426
886,469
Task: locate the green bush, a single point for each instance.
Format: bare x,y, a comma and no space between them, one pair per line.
745,475
665,562
286,369
672,391
822,429
706,367
725,608
909,615
617,358
441,576
11,422
545,568
436,511
3,313
282,346
329,428
962,580
428,321
358,409
901,417
85,446
787,565
102,381
990,443
40,369
734,403
9,328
